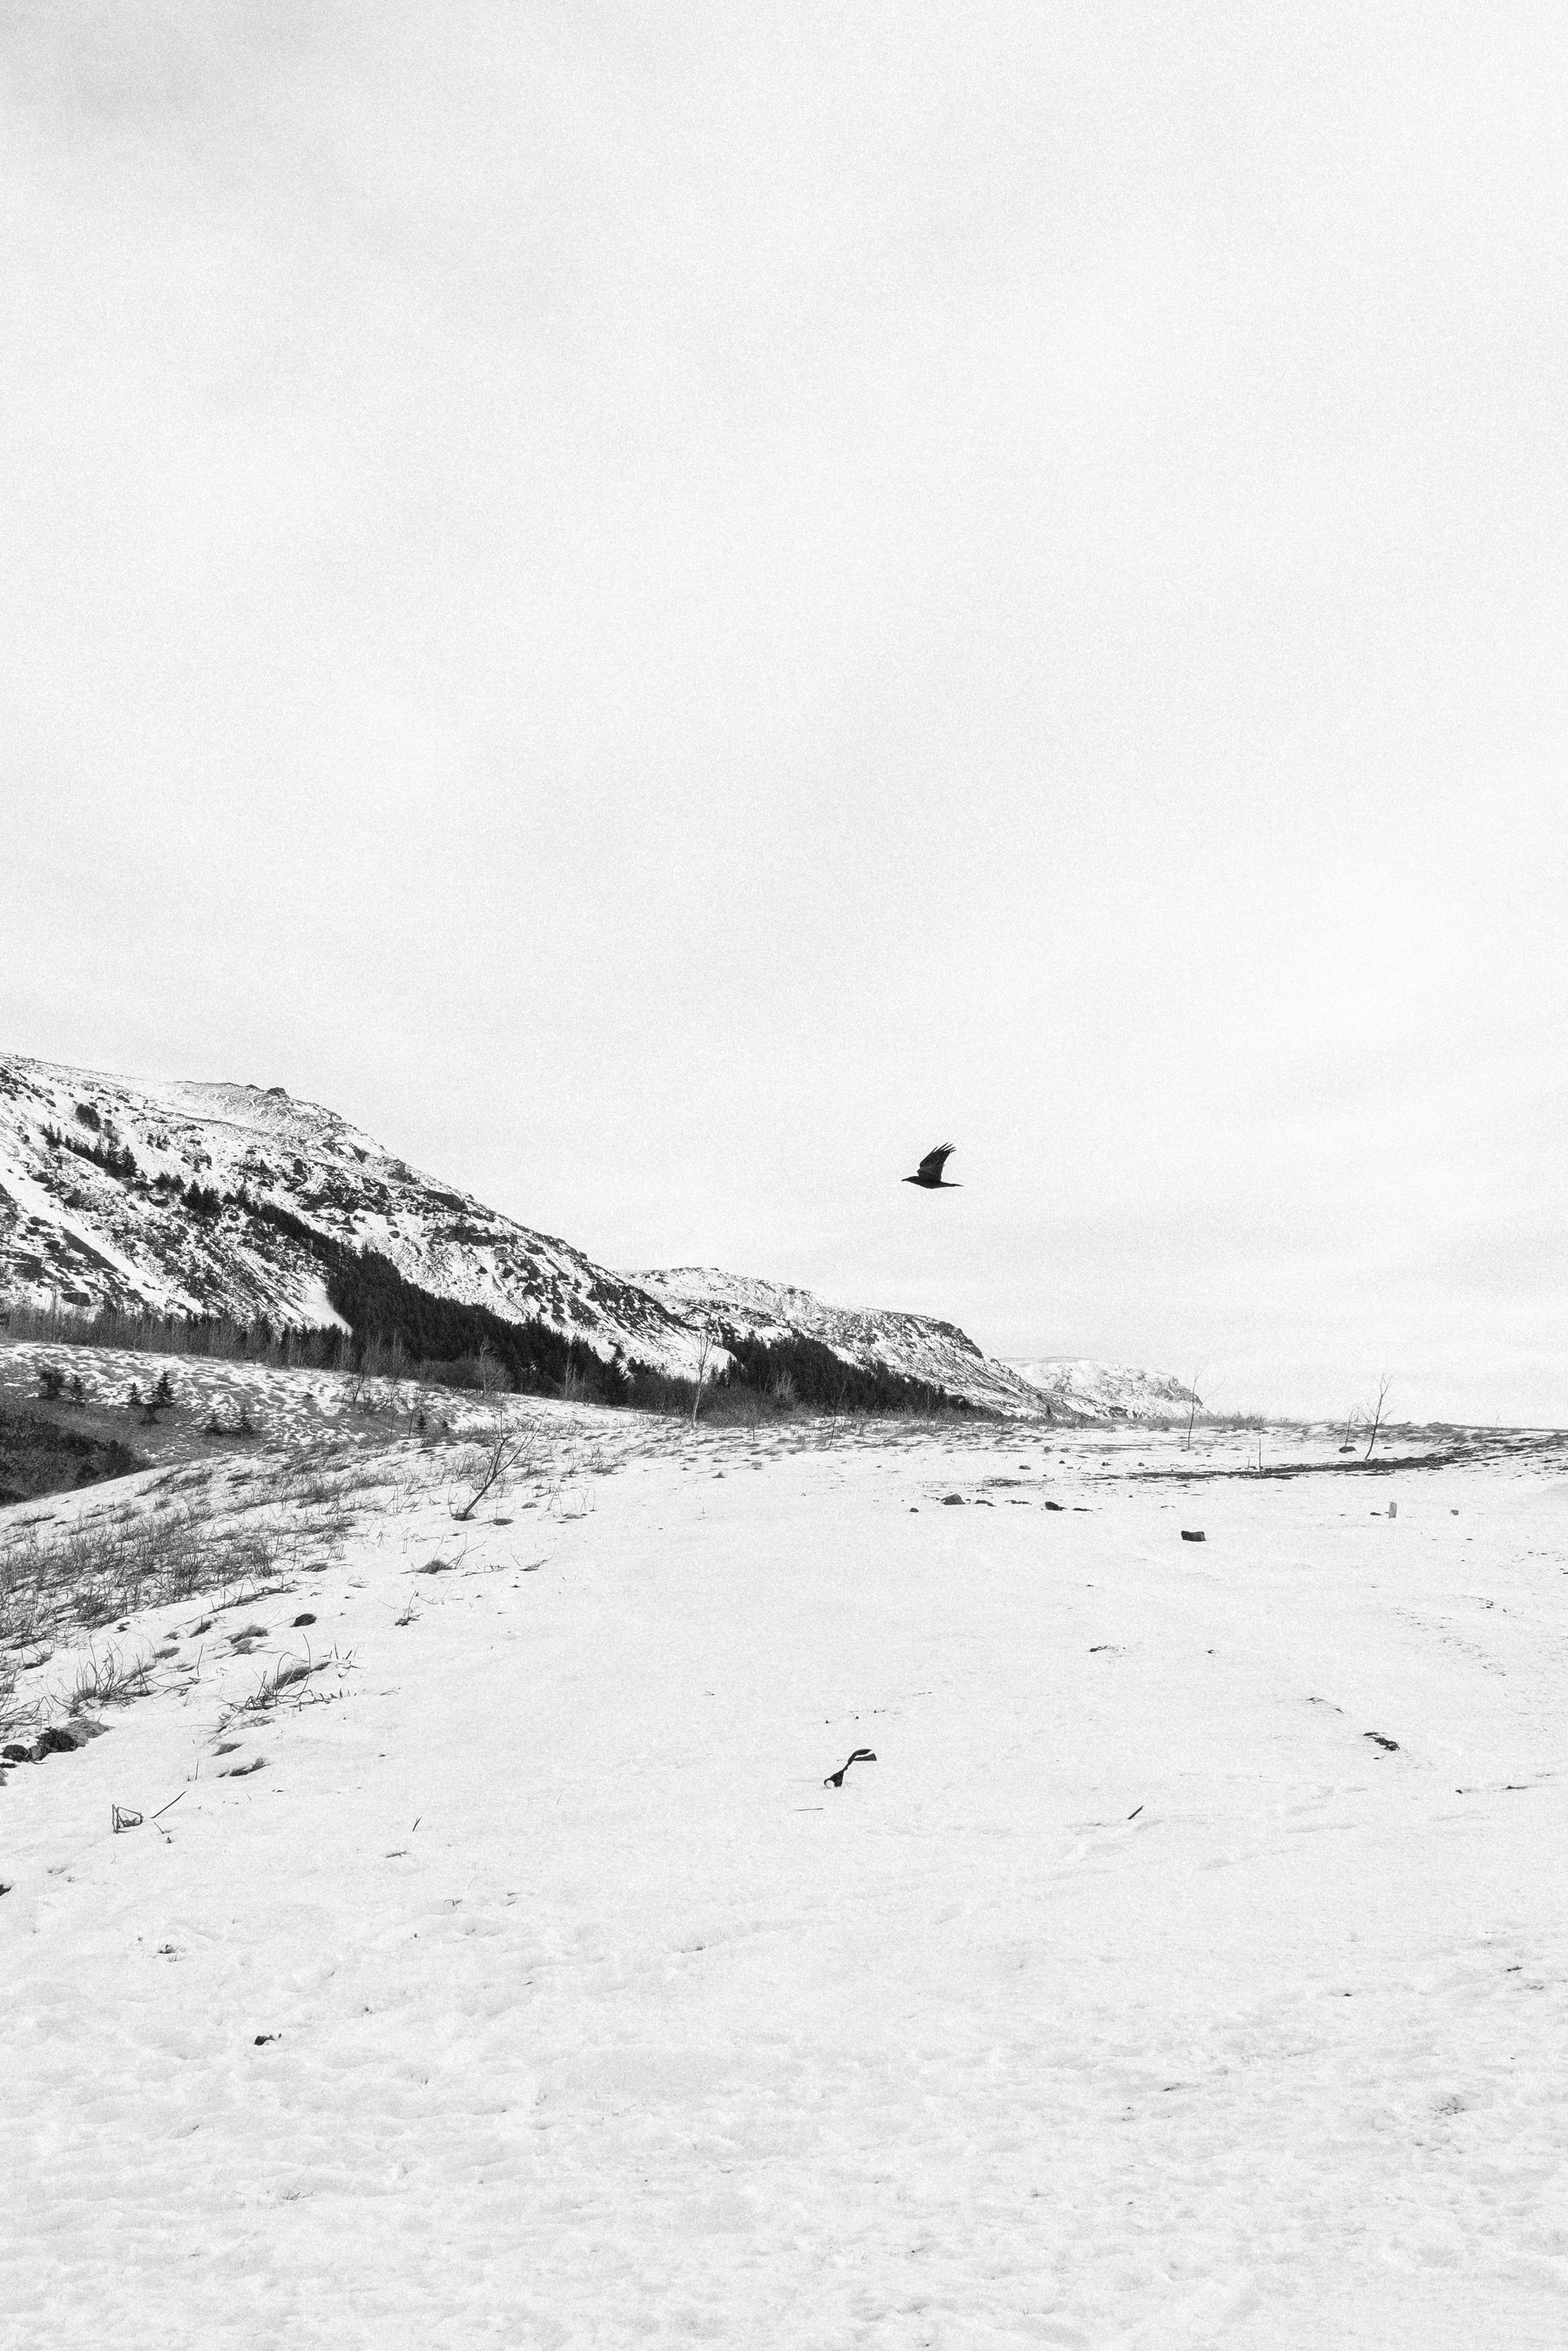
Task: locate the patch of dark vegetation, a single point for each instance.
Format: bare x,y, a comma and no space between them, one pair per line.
115,1159
242,1425
40,1456
726,1399
1383,1467
809,1374
217,1336
284,1221
465,1346
60,1738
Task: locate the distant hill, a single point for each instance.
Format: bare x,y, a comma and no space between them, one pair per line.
1103,1391
913,1346
918,1348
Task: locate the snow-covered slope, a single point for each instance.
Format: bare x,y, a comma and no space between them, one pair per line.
1065,1387
1103,1391
115,1193
121,1231
914,1345
516,1980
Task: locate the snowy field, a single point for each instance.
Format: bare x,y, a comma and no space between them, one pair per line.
1189,1968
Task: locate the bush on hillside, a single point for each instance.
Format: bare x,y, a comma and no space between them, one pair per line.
115,1159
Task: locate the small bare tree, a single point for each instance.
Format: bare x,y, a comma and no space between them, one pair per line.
1194,1400
707,1342
488,1471
1384,1385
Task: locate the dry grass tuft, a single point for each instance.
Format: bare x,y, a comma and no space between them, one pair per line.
109,1680
287,1674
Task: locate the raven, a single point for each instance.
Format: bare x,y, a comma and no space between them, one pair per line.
928,1175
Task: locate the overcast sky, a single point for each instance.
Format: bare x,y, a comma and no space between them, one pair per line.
667,605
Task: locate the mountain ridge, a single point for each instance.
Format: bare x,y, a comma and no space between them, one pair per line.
189,1197
1107,1391
916,1346
86,1233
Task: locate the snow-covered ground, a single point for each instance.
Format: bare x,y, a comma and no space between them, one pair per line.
1189,1969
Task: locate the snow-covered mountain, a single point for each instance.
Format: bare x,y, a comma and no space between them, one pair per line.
1103,1391
937,1353
919,1347
95,1176
119,1194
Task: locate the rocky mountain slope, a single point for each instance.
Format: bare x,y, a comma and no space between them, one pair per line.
1103,1391
183,1199
132,1195
914,1345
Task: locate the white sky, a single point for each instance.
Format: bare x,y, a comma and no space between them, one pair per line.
667,605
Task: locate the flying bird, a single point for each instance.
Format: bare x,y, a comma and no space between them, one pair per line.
928,1175
865,1755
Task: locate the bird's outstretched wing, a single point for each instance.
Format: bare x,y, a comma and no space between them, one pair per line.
933,1164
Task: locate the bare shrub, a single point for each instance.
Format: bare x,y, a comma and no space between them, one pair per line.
706,1345
1194,1404
485,1470
1375,1414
